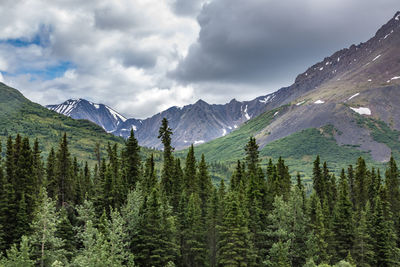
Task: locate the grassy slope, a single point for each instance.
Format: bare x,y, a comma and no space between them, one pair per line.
300,149
19,115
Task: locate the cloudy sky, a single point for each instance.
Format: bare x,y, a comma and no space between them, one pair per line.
143,56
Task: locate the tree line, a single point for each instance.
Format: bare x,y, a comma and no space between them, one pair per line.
58,212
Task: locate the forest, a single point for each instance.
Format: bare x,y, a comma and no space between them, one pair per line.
61,212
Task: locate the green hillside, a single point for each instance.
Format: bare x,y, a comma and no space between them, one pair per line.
299,149
19,115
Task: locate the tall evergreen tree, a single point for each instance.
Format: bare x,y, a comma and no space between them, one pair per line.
167,179
194,252
204,185
190,172
235,247
155,243
252,156
132,160
343,224
47,246
318,181
361,184
63,175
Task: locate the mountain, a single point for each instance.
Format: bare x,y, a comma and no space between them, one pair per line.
20,115
100,114
342,107
197,123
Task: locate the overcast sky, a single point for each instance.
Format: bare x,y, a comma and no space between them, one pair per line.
143,56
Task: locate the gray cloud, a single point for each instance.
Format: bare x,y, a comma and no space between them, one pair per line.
270,42
187,7
142,57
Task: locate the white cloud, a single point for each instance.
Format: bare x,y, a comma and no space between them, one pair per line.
116,51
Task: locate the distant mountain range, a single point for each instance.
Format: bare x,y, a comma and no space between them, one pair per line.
192,124
351,100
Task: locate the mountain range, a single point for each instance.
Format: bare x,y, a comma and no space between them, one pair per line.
347,105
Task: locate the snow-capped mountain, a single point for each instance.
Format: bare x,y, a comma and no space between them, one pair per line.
192,124
360,80
100,114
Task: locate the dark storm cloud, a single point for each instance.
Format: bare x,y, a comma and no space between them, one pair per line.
187,7
259,41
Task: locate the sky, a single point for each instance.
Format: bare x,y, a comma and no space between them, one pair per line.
143,56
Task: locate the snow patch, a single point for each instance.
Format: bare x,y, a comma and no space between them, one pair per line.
267,99
235,126
116,115
369,80
300,103
353,96
276,113
397,17
319,102
362,111
223,132
198,142
322,68
229,127
246,114
376,57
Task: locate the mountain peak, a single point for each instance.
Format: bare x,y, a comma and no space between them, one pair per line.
200,102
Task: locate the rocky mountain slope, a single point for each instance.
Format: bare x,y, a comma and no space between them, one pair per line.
100,114
347,102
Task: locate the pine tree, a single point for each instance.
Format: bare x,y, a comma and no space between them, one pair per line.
213,221
19,256
237,177
235,247
47,246
319,229
392,184
343,221
51,181
350,174
318,181
363,244
204,185
155,238
279,255
132,161
386,253
65,232
361,184
149,178
64,181
194,252
283,179
190,183
167,179
252,156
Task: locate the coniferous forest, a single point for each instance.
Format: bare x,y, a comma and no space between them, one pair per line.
60,212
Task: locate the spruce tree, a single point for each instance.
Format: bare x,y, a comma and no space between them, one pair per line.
132,160
213,221
392,184
318,181
235,247
343,224
204,185
252,156
194,252
167,179
190,182
361,184
154,241
363,252
64,181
